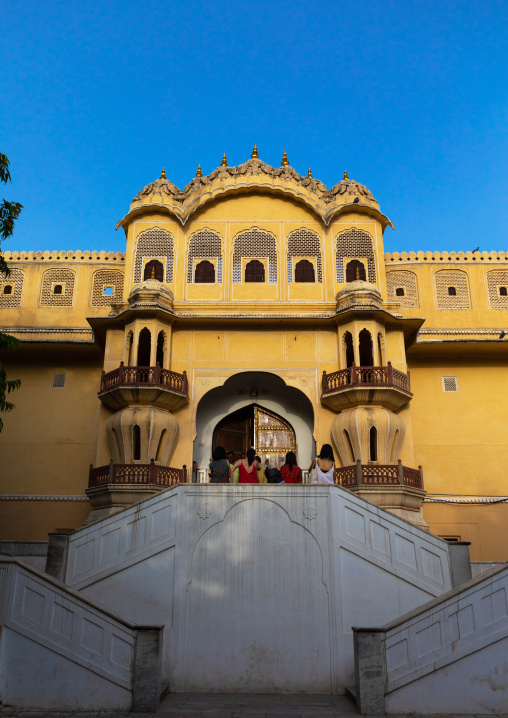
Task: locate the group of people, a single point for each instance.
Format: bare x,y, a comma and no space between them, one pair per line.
224,469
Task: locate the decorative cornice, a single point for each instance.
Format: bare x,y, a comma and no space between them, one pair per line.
45,330
465,499
435,336
43,497
79,256
408,257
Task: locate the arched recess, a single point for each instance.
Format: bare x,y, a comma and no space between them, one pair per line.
255,243
349,350
304,271
365,348
154,270
349,447
205,272
355,270
254,271
136,443
304,243
268,392
161,345
373,444
355,243
155,243
144,347
204,244
160,445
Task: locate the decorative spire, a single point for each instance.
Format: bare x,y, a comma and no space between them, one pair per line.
163,173
285,161
198,171
309,172
357,272
224,162
153,273
345,175
254,155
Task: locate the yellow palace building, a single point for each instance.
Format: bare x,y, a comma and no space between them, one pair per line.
257,307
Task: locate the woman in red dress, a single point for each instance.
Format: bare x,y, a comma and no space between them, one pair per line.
248,473
291,472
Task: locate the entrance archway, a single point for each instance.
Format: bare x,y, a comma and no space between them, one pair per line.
253,425
289,408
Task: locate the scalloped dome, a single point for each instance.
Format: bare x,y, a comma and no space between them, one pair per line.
147,289
358,286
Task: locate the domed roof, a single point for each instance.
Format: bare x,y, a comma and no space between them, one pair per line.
358,286
255,175
150,291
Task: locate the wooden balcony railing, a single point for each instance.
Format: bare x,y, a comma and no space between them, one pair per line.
367,376
145,375
379,475
150,473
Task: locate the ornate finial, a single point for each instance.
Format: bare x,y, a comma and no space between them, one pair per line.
309,172
224,162
254,155
198,171
285,161
357,272
345,175
153,273
163,173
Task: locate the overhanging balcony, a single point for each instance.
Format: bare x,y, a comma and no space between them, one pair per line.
143,385
356,385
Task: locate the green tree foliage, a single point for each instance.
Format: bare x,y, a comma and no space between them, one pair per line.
9,212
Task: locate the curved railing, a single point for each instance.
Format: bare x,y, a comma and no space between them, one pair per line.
150,473
145,375
366,375
379,475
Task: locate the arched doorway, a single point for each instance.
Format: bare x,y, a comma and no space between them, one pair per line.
253,425
276,402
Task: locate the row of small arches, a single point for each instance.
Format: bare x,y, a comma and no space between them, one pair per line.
136,443
373,446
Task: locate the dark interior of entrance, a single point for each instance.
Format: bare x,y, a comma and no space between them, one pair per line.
253,425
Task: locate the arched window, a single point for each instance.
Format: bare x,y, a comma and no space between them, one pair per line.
136,443
365,347
58,289
254,271
349,447
154,270
144,347
159,357
130,344
503,291
350,351
399,292
355,270
205,273
160,445
8,289
373,443
304,271
452,291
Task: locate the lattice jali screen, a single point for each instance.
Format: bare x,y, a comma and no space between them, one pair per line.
66,278
406,280
304,243
205,244
152,244
355,243
255,243
496,279
15,280
106,278
446,278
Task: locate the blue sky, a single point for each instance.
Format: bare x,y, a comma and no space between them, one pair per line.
410,97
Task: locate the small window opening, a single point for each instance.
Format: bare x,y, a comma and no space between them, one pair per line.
365,347
136,443
503,291
349,447
144,347
8,289
355,270
400,292
373,443
205,273
154,270
108,291
350,352
58,380
58,289
160,349
160,445
450,383
254,271
452,291
304,271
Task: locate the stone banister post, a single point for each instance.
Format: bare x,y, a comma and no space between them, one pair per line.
359,472
400,471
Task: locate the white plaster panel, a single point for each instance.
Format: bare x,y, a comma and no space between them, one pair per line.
62,623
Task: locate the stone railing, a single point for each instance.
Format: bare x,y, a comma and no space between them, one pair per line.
366,376
150,473
145,375
379,475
